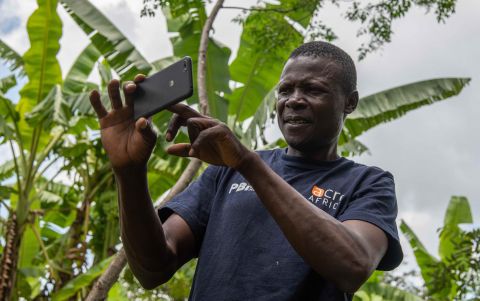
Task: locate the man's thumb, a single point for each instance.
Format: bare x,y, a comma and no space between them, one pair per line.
144,126
141,124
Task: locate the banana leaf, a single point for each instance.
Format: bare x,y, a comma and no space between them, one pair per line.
458,212
12,58
259,61
120,53
81,281
393,103
80,70
428,264
384,292
187,43
7,83
40,63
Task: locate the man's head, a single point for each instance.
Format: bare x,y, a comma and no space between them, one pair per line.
317,90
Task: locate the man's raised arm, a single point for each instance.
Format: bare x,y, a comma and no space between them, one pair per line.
154,251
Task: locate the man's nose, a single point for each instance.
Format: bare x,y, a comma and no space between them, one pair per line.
296,101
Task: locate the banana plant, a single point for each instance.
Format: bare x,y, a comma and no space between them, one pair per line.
51,131
375,289
453,274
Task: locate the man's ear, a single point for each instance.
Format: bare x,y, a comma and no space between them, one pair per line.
351,103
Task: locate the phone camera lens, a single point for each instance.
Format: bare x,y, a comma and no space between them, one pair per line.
184,66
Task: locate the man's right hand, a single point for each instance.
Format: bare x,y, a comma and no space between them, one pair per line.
128,143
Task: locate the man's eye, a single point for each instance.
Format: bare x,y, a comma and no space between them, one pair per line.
316,91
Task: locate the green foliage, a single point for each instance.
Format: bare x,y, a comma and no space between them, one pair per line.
377,289
13,60
120,53
187,28
377,18
393,103
81,281
455,276
7,82
80,70
53,131
176,289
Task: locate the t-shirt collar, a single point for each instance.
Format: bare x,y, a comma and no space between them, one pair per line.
305,163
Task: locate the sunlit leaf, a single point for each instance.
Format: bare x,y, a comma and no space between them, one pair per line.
40,62
120,53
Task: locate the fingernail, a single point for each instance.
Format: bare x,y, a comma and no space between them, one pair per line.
130,86
144,125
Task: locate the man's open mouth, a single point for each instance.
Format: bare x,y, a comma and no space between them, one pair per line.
296,120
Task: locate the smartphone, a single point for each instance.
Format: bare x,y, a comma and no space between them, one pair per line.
163,89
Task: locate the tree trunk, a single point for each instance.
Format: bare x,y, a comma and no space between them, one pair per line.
8,267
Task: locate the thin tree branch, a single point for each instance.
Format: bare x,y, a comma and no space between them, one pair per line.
266,9
109,277
202,59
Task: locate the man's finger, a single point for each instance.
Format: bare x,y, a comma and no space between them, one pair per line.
175,123
128,90
144,126
180,149
97,104
209,135
196,125
184,111
139,78
202,122
114,94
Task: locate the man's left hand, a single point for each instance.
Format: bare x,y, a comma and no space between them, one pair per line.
210,140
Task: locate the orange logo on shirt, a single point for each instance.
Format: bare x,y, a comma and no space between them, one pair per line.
317,191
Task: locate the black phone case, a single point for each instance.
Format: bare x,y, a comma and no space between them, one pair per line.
163,89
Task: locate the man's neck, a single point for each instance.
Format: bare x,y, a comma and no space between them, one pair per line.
327,153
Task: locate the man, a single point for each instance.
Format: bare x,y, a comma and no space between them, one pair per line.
299,223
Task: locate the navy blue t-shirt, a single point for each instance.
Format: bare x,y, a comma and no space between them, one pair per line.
243,254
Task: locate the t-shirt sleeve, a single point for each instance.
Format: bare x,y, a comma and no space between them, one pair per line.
194,203
375,202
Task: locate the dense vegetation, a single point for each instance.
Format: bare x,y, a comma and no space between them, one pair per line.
56,239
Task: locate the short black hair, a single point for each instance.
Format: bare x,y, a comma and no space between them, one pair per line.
327,50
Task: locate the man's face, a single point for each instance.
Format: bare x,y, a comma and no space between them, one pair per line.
311,103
